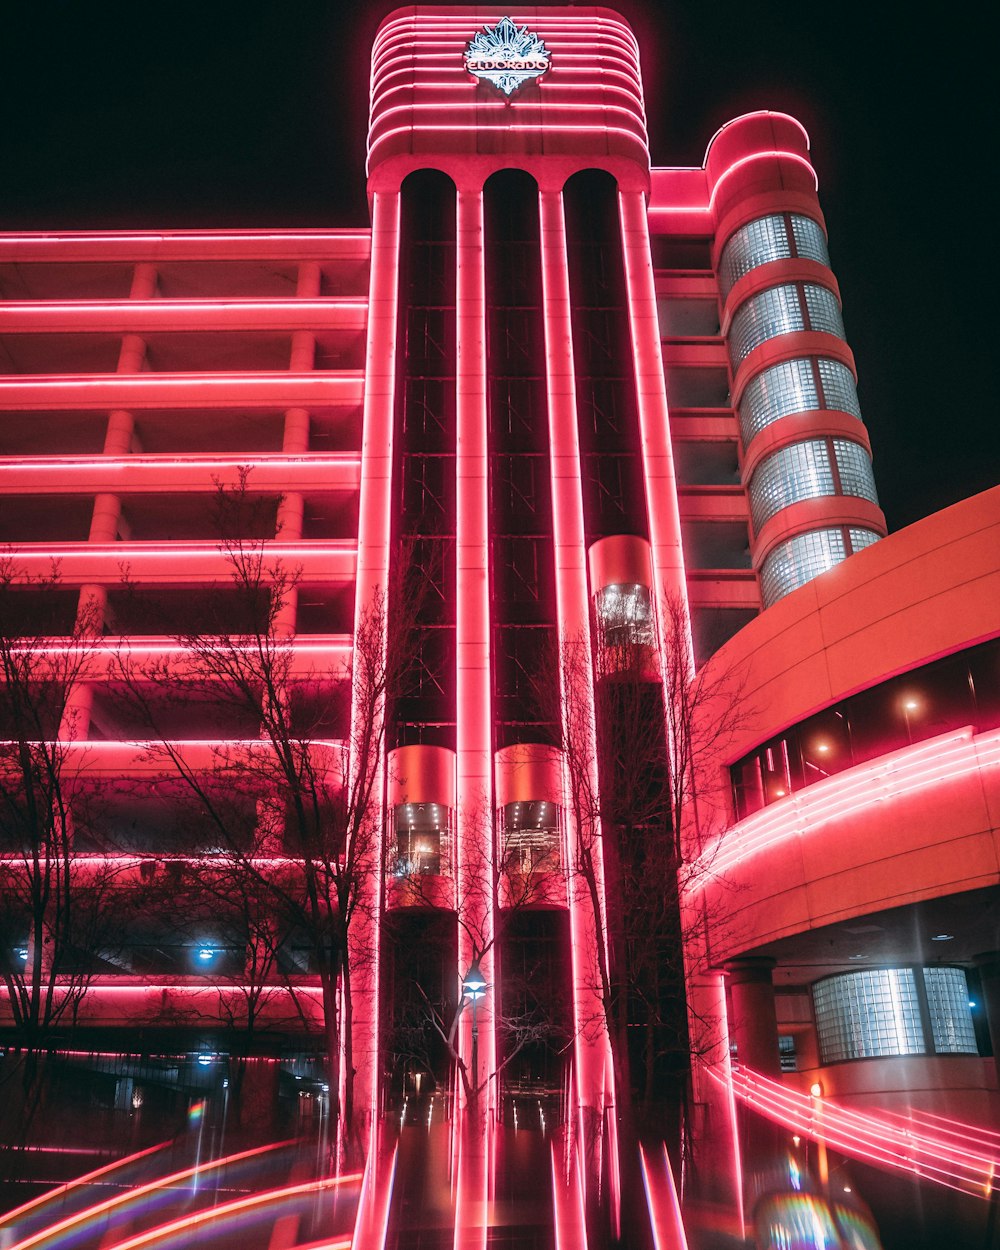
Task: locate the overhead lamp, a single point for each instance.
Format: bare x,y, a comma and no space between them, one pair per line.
474,983
206,954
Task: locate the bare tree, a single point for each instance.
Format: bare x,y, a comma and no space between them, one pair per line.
57,917
660,726
312,786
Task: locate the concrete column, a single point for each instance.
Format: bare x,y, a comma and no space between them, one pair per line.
753,1022
593,1065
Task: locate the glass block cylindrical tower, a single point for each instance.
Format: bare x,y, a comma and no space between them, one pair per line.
806,458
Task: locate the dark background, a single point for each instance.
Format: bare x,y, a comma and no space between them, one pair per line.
254,114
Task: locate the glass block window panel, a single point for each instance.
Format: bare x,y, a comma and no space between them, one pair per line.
839,389
861,1015
810,241
855,468
951,1016
776,393
824,311
793,563
765,316
754,244
799,471
860,539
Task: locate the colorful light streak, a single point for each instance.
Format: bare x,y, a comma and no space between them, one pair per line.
238,1206
570,1225
937,761
36,1205
661,1198
885,1139
160,1185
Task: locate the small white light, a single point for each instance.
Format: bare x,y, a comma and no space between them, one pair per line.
206,954
943,937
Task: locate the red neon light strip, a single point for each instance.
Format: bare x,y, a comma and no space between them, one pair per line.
879,1138
474,729
661,1201
454,128
374,534
276,460
760,113
183,236
631,91
591,1047
552,93
654,419
567,1206
938,761
443,50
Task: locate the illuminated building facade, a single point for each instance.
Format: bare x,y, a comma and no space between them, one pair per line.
569,387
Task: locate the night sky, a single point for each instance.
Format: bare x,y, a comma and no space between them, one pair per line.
254,114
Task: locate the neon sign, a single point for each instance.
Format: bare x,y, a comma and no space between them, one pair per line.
506,56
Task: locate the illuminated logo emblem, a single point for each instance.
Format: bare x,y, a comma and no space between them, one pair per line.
506,56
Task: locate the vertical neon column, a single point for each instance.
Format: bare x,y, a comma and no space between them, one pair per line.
654,423
474,720
593,1067
372,583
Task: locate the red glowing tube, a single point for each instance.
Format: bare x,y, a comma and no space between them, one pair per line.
374,531
762,156
472,129
938,761
592,1052
880,1138
661,1200
567,1206
787,117
474,730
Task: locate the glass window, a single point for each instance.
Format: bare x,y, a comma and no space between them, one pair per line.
824,311
949,1010
855,469
775,393
793,563
861,1015
947,694
767,239
790,387
764,316
799,471
754,244
839,389
529,837
860,539
810,241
